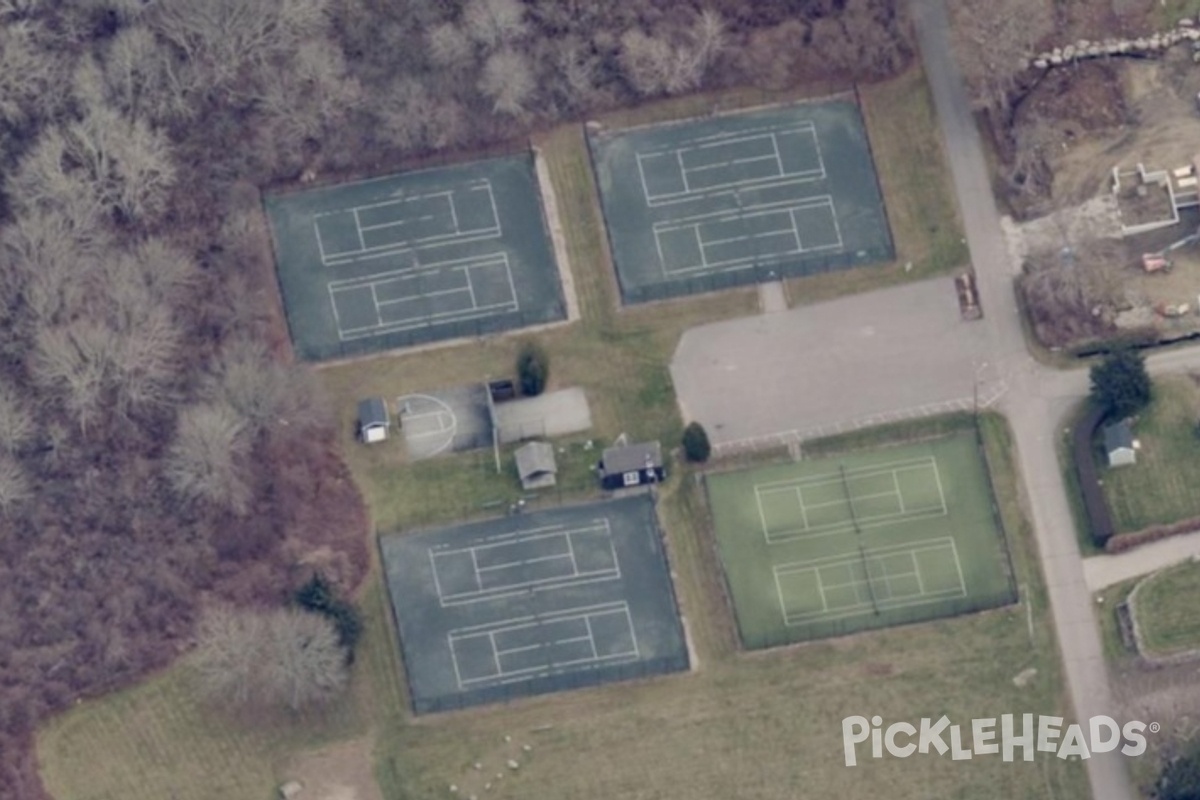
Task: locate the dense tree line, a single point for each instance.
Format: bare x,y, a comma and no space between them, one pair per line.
158,452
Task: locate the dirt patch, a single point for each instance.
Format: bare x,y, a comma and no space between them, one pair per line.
340,772
1125,112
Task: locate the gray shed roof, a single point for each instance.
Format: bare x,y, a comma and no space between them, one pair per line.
535,458
1118,436
632,457
372,411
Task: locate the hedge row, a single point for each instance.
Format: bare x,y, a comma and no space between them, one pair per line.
1099,518
1127,541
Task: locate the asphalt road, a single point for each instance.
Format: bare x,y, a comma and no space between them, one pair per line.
1035,404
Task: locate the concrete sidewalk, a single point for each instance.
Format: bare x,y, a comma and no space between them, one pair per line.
1103,571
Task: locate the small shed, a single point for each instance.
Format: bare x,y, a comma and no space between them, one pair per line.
1119,444
631,465
374,422
536,465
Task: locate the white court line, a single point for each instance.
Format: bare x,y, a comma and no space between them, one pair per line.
362,243
475,566
527,622
779,594
495,653
645,187
591,637
576,577
637,650
919,546
899,494
735,188
917,572
757,256
801,176
491,231
778,158
731,162
803,507
745,212
722,138
320,244
821,587
868,471
440,416
795,230
962,583
887,605
375,302
832,479
421,270
476,311
938,476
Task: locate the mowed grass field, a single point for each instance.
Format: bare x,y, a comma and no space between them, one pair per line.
747,726
838,544
1165,610
737,726
1161,487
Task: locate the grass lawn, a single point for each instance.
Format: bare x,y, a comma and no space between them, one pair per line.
738,726
1161,487
1165,610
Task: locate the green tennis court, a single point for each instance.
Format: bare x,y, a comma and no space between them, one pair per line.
837,545
413,258
705,204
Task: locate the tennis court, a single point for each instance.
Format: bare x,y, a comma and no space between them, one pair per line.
706,204
413,258
837,545
533,603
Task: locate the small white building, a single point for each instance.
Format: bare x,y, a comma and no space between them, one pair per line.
1119,444
536,466
374,422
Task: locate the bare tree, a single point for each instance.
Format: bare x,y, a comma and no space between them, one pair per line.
15,487
708,36
101,161
16,422
652,65
645,61
228,656
205,462
494,23
75,360
283,657
992,40
314,93
305,664
449,47
26,71
264,391
507,81
414,119
220,37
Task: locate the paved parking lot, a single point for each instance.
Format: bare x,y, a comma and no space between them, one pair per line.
866,358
